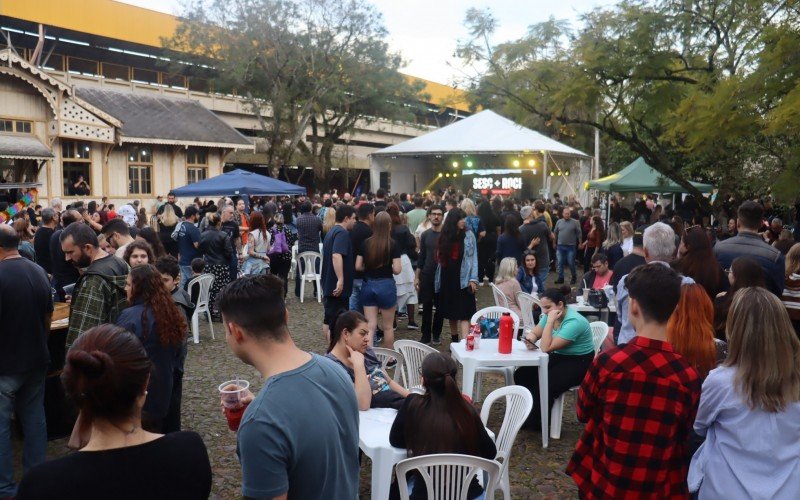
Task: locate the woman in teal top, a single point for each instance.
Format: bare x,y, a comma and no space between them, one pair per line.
565,335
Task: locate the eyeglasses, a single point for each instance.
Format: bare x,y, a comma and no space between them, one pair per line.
436,215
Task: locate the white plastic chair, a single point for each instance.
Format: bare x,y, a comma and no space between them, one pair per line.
308,272
519,403
448,476
500,298
413,353
204,281
293,266
526,302
494,312
386,355
599,334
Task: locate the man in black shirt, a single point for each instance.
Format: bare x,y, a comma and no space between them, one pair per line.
380,201
64,273
623,267
41,240
537,236
338,263
309,228
426,274
26,308
171,201
362,230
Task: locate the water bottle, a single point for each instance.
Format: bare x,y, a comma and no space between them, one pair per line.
506,334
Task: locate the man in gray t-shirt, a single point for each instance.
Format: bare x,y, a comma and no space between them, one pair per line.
299,436
568,235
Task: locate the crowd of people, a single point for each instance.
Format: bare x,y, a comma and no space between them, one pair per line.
697,391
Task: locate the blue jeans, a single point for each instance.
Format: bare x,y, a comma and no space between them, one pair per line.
355,297
565,252
23,394
186,275
541,278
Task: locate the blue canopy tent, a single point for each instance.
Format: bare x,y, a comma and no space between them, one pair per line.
239,183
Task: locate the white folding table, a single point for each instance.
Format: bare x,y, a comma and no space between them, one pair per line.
486,355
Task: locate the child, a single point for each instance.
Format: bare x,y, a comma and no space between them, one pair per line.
639,402
198,266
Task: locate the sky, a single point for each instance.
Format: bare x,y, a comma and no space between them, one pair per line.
426,32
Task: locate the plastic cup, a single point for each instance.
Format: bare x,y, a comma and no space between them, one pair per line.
585,295
234,416
232,392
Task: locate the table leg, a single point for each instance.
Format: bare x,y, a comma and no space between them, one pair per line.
604,315
382,466
543,400
467,377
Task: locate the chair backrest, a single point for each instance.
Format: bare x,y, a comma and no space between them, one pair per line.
526,302
495,312
448,476
204,281
413,353
519,403
385,355
599,334
500,298
309,263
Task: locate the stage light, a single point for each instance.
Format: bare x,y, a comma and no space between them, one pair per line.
440,174
469,164
455,174
531,163
566,173
455,164
551,174
559,173
534,171
516,163
447,175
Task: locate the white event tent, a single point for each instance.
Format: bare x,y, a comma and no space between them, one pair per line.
482,144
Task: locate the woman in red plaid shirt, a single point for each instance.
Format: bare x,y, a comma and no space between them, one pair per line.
639,402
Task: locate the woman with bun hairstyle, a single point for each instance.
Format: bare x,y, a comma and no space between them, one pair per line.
106,374
439,421
161,327
567,339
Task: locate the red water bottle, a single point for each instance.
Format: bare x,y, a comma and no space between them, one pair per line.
506,334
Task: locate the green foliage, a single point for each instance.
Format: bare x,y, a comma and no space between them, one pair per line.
305,68
702,89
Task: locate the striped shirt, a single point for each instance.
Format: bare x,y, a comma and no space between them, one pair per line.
791,296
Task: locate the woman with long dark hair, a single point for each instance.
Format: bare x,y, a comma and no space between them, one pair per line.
106,375
510,244
149,235
406,292
528,274
440,421
744,272
257,245
487,246
216,249
156,320
349,348
594,241
379,258
566,337
457,273
696,259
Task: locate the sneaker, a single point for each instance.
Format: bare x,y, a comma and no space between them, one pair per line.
413,326
392,363
559,281
401,315
378,337
572,281
437,341
425,340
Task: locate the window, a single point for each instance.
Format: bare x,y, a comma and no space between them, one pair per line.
16,126
196,164
140,167
76,164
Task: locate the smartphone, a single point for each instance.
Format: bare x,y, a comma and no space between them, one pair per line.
527,341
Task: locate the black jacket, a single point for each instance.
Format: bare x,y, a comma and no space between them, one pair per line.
215,247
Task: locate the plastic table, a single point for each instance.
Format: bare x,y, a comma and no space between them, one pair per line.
486,355
584,308
373,439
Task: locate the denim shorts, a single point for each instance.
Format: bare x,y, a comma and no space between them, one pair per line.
380,293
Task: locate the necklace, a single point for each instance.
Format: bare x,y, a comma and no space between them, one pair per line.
126,432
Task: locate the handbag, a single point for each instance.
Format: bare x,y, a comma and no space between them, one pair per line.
178,231
598,299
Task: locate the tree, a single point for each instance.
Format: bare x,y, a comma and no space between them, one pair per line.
299,64
691,86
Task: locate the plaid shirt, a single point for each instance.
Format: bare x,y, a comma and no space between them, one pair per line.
309,228
97,299
639,402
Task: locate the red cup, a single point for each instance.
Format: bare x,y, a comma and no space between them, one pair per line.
234,416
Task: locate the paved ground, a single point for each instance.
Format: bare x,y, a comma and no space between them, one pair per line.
535,472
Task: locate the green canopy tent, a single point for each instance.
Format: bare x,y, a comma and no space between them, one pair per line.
639,177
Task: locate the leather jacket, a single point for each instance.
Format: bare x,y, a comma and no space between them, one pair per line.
215,247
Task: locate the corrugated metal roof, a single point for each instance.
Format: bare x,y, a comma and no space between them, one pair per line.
165,120
23,147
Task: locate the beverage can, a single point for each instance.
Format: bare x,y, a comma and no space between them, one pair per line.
470,342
